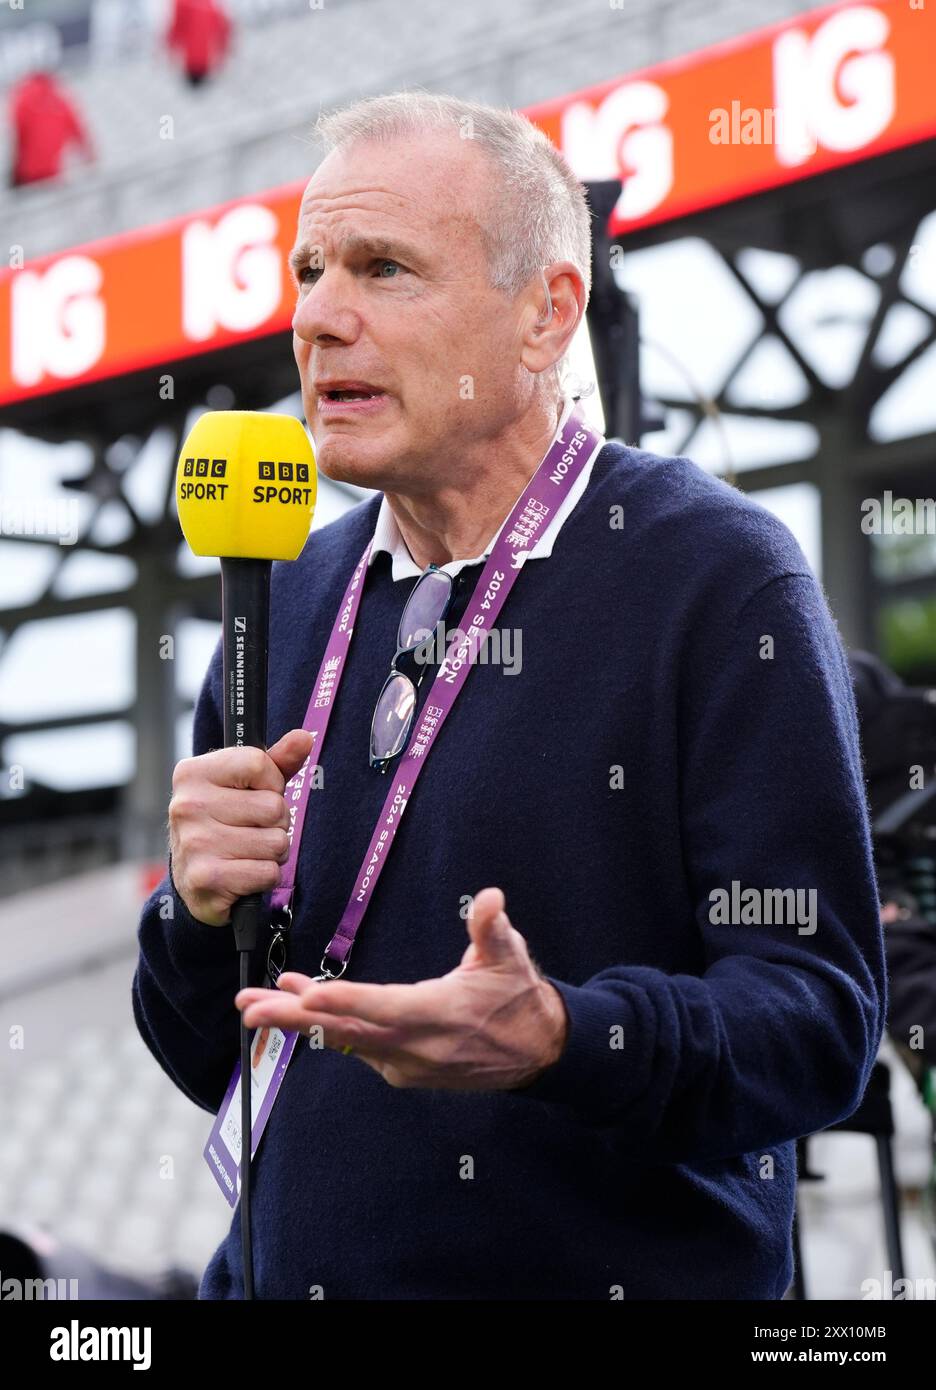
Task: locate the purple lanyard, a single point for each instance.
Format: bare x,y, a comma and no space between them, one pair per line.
538,503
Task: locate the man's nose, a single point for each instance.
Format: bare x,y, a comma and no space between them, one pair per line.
322,316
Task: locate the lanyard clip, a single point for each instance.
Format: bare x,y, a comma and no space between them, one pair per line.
276,954
328,973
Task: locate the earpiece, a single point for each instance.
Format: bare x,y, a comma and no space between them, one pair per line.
545,317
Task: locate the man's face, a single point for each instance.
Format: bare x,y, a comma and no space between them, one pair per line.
393,291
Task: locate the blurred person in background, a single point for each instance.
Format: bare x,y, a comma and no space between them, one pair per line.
45,125
200,35
898,738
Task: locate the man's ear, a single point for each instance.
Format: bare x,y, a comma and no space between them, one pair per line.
557,305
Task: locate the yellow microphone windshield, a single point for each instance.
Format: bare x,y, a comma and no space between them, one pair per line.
245,485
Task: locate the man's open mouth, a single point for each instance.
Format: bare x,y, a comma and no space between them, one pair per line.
358,397
348,388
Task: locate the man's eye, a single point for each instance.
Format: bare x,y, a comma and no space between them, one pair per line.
308,274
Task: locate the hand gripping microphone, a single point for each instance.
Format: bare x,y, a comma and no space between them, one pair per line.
245,488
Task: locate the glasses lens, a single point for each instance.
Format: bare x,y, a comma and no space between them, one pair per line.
424,608
392,717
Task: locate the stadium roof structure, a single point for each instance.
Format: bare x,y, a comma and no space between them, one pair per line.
815,138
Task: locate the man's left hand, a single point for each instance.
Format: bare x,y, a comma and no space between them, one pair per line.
491,1024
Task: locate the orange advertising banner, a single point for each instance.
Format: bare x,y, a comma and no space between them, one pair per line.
816,93
149,297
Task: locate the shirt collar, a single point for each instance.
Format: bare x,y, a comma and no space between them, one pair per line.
389,538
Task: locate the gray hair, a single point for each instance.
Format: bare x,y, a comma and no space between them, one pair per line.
537,214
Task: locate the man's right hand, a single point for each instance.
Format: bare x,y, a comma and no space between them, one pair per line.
228,821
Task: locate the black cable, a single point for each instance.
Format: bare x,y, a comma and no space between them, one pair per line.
246,1136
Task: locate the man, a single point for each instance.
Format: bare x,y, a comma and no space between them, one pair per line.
557,1066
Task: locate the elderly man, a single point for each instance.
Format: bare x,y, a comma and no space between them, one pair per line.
624,946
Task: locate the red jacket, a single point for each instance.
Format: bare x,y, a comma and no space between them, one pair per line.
200,31
45,124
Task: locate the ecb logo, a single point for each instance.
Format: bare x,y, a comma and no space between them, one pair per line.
284,472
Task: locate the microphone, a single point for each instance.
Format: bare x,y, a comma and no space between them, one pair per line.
245,488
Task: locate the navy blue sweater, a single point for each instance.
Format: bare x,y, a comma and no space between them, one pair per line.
653,748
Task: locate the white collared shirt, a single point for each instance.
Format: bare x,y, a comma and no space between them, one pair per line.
388,537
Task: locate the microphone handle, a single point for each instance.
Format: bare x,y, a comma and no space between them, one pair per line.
245,624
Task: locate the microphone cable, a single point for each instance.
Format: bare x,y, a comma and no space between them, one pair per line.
246,1136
